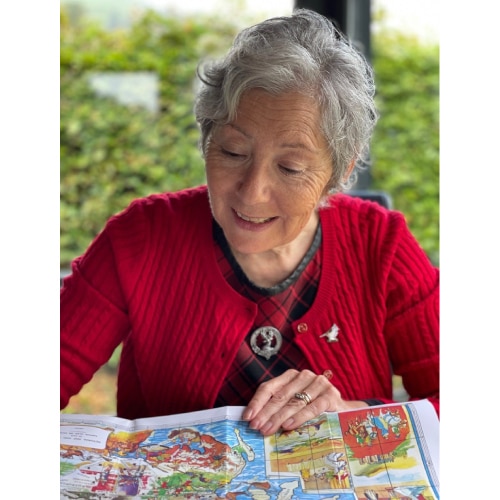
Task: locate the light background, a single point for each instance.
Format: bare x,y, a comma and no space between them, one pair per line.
417,16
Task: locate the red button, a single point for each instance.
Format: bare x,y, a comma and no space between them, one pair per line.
328,374
302,327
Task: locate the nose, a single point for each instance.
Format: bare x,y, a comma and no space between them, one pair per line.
255,184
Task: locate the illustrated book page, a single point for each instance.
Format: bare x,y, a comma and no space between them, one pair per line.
382,452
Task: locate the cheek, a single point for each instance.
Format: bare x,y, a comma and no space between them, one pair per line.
213,172
220,189
217,167
306,197
218,183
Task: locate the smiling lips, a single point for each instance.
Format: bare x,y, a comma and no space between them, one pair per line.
254,220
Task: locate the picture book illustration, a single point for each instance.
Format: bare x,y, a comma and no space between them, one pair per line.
383,452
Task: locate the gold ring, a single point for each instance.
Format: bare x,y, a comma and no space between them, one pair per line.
304,397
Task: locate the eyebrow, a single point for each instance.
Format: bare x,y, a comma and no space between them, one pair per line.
291,145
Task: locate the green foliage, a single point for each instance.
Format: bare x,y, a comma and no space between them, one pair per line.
111,153
405,146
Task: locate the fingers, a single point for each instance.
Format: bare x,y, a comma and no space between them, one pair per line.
290,400
271,392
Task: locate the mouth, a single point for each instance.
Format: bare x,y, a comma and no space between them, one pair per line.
254,220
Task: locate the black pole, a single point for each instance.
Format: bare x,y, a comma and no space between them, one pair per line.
352,17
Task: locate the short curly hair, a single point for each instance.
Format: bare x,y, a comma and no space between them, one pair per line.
305,53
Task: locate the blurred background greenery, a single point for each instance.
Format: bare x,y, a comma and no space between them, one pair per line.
127,127
112,152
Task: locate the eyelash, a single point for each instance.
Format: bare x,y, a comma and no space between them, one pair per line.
290,171
287,171
230,153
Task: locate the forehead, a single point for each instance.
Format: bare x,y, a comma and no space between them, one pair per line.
290,117
291,104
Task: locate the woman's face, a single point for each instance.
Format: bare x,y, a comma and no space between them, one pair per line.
267,171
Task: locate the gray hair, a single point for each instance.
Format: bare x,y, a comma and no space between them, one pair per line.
303,52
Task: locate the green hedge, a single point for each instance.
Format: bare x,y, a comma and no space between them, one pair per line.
112,153
405,146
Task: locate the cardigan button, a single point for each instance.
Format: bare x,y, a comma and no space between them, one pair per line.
302,327
328,374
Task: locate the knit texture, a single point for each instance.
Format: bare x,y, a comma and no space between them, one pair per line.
150,280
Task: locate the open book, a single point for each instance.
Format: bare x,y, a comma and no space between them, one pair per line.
376,453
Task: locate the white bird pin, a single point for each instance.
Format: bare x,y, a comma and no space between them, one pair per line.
332,334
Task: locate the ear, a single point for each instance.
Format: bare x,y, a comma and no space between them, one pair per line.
328,187
350,168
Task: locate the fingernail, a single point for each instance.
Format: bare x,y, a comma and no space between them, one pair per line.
252,424
288,423
266,427
247,414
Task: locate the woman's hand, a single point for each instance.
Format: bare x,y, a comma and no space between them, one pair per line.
275,405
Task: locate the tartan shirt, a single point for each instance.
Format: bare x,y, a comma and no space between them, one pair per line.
278,306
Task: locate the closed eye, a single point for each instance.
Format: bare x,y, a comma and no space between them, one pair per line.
232,154
290,171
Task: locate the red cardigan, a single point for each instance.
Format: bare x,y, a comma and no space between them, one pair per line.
151,281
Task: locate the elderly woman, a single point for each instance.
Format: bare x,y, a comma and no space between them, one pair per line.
268,287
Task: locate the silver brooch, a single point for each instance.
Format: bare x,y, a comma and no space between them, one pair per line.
331,334
266,341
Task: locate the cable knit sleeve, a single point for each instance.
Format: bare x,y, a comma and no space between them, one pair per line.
412,321
93,316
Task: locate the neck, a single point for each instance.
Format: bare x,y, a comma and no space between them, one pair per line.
272,267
